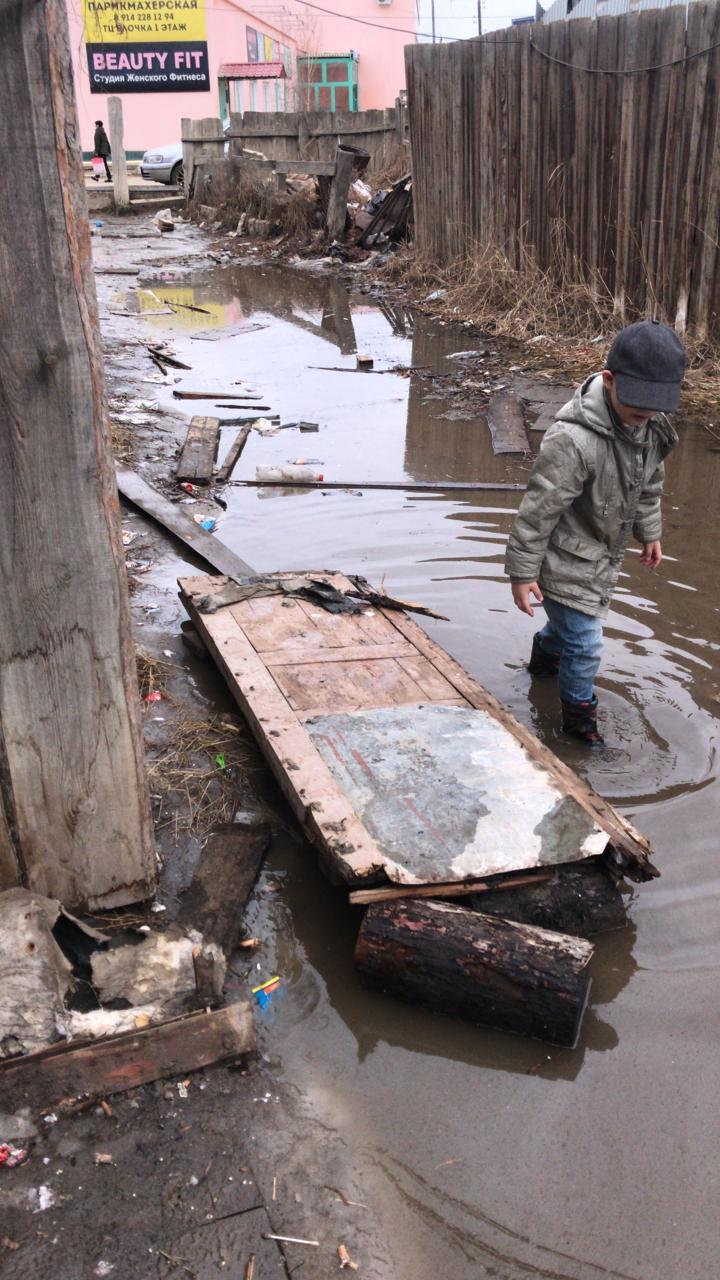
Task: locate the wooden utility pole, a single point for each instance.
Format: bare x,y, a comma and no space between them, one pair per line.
121,190
74,810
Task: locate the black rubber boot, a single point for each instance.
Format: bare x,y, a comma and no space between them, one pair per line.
579,720
541,662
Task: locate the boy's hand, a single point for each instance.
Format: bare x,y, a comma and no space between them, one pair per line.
521,592
651,555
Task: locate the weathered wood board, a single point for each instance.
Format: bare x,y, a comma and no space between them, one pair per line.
507,424
155,504
398,764
199,451
95,1068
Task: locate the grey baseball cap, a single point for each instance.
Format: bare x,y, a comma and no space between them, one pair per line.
648,360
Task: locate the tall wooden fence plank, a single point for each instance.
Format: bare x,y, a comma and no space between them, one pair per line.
518,142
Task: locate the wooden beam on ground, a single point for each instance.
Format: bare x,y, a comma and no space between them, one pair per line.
154,504
85,1069
472,966
337,204
73,787
507,424
223,881
199,451
233,454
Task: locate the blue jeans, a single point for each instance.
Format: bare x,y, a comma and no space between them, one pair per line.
576,639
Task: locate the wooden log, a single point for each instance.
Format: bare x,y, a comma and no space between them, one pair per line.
507,424
211,549
72,774
96,1068
236,448
337,204
578,899
223,881
510,976
199,451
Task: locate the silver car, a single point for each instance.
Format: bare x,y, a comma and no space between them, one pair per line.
164,164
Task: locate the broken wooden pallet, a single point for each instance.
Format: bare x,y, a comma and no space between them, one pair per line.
398,764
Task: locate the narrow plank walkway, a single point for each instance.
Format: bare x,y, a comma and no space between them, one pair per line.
400,766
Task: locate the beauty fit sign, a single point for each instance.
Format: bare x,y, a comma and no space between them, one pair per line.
146,46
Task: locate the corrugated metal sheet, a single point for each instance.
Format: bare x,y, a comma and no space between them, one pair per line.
252,71
557,12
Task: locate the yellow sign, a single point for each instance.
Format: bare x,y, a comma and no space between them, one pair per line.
138,21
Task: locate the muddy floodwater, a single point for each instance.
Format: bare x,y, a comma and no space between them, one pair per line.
485,1154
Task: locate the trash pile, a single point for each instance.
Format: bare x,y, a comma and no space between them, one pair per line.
150,999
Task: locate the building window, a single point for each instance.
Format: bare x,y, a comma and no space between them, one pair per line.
329,83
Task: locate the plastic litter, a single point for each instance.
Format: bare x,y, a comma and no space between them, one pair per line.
154,696
264,991
289,472
190,488
11,1156
208,523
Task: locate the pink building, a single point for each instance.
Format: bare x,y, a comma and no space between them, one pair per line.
175,58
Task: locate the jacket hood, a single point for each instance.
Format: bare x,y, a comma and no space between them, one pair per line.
589,409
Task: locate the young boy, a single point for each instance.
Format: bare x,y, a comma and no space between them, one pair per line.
597,480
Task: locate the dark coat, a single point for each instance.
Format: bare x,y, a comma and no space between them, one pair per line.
102,142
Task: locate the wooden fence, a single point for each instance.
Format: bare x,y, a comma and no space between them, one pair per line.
297,135
591,144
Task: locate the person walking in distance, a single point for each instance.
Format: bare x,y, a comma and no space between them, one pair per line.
102,147
597,480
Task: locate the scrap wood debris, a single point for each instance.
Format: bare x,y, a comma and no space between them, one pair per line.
308,588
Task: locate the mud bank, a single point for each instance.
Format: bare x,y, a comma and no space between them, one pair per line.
477,1154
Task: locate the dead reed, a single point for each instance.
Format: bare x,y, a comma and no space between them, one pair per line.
198,774
233,192
555,314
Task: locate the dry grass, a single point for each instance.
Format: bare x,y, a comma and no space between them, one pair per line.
395,165
234,192
152,673
122,438
564,319
198,774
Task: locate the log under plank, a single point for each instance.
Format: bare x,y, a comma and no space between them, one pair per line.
223,881
507,424
514,977
199,451
577,899
96,1068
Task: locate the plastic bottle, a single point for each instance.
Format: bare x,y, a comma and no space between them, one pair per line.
288,472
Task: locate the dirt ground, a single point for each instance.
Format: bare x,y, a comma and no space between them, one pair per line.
464,1152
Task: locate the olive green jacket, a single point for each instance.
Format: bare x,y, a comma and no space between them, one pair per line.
593,484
